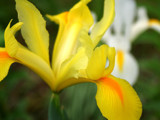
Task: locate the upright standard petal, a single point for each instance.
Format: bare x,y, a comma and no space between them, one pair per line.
100,28
33,30
129,9
60,19
71,23
117,100
5,63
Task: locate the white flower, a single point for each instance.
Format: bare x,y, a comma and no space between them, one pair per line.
123,31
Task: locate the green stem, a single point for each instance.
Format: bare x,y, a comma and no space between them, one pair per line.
54,112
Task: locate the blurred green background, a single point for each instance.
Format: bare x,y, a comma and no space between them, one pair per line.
24,96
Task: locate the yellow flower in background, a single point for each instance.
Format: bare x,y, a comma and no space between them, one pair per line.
75,58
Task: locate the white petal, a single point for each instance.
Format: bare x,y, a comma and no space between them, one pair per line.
129,8
141,25
142,13
156,28
119,42
130,69
117,25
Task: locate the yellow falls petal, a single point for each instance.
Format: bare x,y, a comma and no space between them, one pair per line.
100,28
34,28
5,63
71,25
117,100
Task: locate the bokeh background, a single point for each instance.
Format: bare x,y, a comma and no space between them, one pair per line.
24,96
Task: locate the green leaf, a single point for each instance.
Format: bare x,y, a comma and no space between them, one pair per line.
79,102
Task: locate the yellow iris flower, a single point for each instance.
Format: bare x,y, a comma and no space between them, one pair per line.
75,58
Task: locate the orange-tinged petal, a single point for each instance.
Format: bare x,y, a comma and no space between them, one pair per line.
117,100
5,63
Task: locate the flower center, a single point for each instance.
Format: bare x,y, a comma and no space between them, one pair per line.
4,55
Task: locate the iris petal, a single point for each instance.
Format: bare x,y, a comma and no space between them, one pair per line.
71,23
5,63
117,100
96,65
100,28
33,29
22,55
